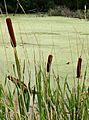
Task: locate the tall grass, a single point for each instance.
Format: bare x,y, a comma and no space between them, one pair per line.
42,102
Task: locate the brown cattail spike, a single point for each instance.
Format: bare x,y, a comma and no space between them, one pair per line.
11,32
88,90
49,62
79,67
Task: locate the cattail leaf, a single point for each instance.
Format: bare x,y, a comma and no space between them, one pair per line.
24,67
17,64
23,71
34,94
5,80
14,70
84,86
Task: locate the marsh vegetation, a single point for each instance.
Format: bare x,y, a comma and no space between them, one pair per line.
44,68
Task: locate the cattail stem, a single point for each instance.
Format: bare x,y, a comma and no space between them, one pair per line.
49,62
11,32
79,67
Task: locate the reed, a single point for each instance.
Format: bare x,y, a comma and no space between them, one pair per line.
11,32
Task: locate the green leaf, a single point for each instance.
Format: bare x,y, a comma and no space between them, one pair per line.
17,64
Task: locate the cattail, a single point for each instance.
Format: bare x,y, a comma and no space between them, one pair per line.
79,67
11,32
17,82
49,62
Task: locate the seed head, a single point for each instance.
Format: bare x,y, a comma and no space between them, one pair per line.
11,32
49,62
79,67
